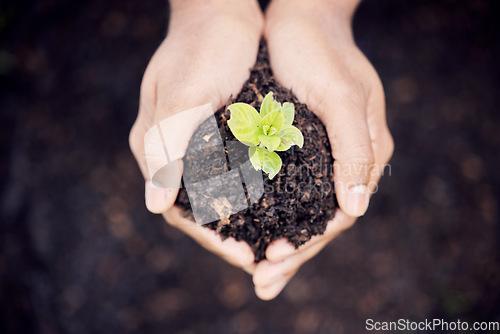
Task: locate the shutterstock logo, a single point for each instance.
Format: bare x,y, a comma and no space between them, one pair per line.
219,182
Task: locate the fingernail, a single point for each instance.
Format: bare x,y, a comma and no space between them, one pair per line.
357,200
155,197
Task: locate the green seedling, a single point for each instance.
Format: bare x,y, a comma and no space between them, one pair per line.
266,132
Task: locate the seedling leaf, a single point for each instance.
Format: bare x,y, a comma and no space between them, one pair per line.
268,105
283,147
244,123
265,132
255,157
271,142
272,120
271,163
288,110
292,135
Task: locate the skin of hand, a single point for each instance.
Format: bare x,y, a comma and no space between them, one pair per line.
312,52
206,58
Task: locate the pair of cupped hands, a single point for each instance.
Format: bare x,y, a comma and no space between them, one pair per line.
206,58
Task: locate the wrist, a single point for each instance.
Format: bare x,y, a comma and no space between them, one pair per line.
195,13
337,7
331,16
206,8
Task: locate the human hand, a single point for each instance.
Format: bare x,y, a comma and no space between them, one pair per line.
205,59
312,52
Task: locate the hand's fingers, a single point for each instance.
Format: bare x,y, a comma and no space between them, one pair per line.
352,149
147,147
238,253
136,136
159,199
272,291
271,278
379,169
281,249
267,272
382,142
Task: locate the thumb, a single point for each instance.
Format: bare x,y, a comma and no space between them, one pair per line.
349,136
164,145
163,174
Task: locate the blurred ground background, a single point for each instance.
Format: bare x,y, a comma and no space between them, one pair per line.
79,253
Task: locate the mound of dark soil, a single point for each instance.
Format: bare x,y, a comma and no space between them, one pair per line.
297,203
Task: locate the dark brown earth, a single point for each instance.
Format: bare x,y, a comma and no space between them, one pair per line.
298,202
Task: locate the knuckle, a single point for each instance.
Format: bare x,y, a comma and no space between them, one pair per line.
359,166
358,154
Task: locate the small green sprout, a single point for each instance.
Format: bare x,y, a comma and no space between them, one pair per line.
265,132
